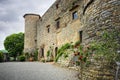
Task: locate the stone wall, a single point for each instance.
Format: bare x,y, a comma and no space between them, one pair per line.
100,16
94,16
68,30
99,71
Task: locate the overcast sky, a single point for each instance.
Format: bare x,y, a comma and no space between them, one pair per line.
12,11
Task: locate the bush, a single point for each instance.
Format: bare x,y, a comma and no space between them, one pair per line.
48,53
36,55
77,43
62,51
1,57
43,60
11,58
49,56
27,56
21,58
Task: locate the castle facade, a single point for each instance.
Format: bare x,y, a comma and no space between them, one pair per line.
68,21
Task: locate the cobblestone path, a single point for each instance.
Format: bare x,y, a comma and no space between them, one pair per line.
35,71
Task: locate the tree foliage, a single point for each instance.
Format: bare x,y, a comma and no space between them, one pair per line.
109,45
21,58
14,44
1,56
62,51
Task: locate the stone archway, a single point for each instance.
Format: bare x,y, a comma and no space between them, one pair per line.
42,52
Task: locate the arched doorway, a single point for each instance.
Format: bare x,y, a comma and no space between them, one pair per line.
56,49
42,52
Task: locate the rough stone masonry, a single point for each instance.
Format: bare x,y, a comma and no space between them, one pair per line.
69,21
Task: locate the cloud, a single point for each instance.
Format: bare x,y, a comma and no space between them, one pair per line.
12,11
4,1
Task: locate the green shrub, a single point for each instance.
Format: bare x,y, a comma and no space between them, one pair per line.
43,60
27,56
58,56
50,57
1,57
77,43
11,58
36,55
21,58
62,51
48,53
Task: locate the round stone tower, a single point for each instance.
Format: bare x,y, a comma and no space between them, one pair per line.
30,39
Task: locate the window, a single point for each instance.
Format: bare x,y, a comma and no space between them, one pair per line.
42,51
74,15
57,24
48,28
35,40
80,36
57,6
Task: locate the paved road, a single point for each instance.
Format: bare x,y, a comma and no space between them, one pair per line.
34,71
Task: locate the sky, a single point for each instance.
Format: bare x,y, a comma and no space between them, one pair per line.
11,15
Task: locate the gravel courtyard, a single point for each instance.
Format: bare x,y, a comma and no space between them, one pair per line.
35,71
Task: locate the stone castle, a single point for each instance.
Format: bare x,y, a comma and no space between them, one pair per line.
68,21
